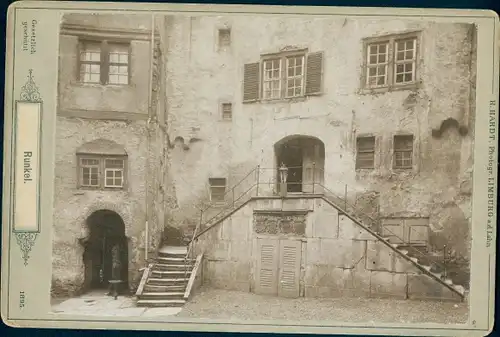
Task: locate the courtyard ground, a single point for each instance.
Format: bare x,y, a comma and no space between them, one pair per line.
97,303
223,304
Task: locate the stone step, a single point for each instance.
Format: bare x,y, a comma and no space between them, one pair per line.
160,303
171,273
167,281
162,266
173,260
164,288
173,250
161,296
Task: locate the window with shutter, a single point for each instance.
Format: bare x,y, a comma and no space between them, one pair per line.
284,75
314,79
251,83
365,152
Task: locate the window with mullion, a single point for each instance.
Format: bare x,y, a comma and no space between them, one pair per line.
118,58
377,64
113,173
90,62
103,62
89,172
294,76
272,78
404,60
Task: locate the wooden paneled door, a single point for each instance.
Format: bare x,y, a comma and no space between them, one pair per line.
289,268
278,267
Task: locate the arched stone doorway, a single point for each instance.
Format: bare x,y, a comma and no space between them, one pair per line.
105,255
304,156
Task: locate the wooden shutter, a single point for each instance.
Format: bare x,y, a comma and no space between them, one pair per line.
251,79
290,253
314,73
267,267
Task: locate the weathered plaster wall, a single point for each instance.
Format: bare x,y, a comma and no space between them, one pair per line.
126,99
202,76
73,206
119,114
338,257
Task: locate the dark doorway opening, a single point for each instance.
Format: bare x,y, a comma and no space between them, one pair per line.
106,235
291,154
304,157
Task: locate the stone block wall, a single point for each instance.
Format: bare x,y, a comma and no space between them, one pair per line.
339,257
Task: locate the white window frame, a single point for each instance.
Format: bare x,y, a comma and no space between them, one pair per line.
283,79
391,64
114,170
378,64
106,50
102,171
411,152
92,167
412,61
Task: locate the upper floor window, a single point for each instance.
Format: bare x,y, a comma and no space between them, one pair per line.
403,151
284,75
104,62
101,165
365,152
390,61
217,189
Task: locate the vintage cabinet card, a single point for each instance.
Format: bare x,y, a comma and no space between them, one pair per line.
250,168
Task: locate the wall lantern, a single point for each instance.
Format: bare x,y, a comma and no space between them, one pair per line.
283,173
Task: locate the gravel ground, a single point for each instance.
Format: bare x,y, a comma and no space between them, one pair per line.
223,304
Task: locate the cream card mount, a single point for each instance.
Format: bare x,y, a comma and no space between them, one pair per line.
250,168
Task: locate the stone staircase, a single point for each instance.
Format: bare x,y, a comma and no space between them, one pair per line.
428,262
423,263
167,280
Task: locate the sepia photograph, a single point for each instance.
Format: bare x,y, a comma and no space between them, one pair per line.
264,167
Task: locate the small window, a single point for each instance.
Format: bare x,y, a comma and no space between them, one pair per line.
104,63
403,151
227,111
224,37
365,152
217,189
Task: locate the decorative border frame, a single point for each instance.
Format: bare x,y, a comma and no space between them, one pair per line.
25,238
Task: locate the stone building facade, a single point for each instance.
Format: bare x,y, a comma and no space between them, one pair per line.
378,111
110,167
382,111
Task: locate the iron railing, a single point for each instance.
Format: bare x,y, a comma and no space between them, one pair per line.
265,182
